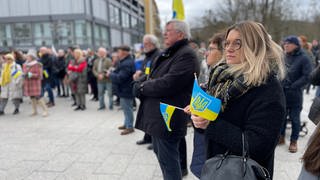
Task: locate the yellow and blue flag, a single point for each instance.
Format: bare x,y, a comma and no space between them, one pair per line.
204,105
15,74
45,73
178,9
166,112
147,70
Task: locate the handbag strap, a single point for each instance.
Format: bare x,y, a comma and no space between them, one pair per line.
245,146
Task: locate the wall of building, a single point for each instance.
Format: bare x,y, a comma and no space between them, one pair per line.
88,23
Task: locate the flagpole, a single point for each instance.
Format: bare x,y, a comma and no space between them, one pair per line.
182,109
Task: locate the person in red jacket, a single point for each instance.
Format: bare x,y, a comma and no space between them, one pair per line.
77,70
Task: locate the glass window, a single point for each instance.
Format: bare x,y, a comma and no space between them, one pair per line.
141,26
5,35
22,34
104,37
89,35
114,15
42,34
101,35
134,22
125,20
81,32
63,33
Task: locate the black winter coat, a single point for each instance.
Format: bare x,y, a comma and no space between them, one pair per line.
259,113
299,68
171,82
122,77
47,63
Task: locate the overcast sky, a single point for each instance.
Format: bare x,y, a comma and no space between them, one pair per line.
192,8
195,8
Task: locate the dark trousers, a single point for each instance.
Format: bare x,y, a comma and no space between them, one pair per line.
147,138
167,152
94,87
294,115
183,153
47,87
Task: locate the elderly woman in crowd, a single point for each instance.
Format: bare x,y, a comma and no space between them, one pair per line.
32,71
77,70
11,84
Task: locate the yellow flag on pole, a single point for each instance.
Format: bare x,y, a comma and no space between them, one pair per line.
178,9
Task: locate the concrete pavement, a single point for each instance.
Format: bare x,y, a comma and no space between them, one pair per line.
87,145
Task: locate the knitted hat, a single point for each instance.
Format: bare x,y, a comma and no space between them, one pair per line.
292,40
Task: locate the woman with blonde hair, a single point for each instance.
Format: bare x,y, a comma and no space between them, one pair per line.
78,79
11,84
32,71
248,84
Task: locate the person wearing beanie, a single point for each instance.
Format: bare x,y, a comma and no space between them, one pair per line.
11,84
32,71
298,70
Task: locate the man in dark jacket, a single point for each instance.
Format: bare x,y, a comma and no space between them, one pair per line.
47,63
170,81
298,70
151,49
121,80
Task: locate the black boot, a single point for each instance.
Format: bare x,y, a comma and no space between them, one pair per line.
16,111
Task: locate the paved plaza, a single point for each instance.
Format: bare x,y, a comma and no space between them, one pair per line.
87,145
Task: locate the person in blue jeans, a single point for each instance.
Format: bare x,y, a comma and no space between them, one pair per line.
47,63
122,80
101,65
298,70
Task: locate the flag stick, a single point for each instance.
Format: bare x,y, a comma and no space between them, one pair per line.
182,109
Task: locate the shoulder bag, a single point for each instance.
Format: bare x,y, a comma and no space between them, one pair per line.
314,112
232,167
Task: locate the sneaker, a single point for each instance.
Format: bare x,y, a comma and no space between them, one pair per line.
293,148
150,147
16,111
51,104
83,108
101,108
78,108
141,142
127,131
122,127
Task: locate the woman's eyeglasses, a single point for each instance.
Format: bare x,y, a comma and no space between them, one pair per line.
235,45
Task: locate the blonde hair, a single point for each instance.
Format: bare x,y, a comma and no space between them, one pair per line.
79,52
261,55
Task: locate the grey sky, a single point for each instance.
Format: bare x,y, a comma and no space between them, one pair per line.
195,8
192,8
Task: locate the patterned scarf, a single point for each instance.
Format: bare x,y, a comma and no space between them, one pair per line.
224,86
6,74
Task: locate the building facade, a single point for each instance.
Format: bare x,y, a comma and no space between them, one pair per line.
28,24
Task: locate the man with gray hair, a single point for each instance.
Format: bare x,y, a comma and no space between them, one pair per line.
170,81
152,51
100,68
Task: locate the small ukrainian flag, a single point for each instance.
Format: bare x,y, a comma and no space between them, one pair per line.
178,10
204,105
166,112
45,73
147,71
16,74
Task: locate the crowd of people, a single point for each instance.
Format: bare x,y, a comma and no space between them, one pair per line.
259,82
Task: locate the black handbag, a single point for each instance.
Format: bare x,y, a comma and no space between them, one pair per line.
314,112
232,167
